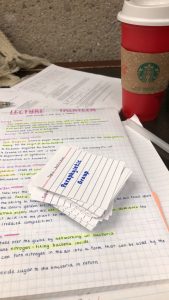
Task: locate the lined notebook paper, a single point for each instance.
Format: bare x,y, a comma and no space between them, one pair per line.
44,251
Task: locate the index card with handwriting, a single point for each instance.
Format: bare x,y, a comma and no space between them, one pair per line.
82,184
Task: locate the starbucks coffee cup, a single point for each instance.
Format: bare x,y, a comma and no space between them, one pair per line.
144,56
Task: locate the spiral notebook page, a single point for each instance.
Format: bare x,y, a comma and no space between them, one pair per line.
43,250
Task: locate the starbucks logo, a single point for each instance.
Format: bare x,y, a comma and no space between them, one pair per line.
148,72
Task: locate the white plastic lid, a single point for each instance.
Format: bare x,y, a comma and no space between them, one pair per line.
145,12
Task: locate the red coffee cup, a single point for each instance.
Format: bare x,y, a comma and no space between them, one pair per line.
145,41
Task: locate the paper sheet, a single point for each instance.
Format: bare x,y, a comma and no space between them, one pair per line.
56,87
66,88
5,94
21,101
37,235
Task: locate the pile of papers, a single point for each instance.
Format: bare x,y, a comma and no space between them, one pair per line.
43,252
81,185
57,87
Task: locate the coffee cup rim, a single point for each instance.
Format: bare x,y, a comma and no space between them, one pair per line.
145,13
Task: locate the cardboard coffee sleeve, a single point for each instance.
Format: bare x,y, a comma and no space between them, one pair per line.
144,73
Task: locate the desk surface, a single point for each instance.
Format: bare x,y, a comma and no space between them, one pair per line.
160,126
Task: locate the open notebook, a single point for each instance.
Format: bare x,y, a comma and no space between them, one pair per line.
42,251
158,178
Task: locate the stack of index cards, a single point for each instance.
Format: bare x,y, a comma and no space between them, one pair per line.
80,184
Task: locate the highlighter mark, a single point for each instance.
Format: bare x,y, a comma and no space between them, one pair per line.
158,203
11,234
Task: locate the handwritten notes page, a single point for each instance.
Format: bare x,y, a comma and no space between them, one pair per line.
42,250
81,184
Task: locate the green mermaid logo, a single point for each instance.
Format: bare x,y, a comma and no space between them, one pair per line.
148,72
